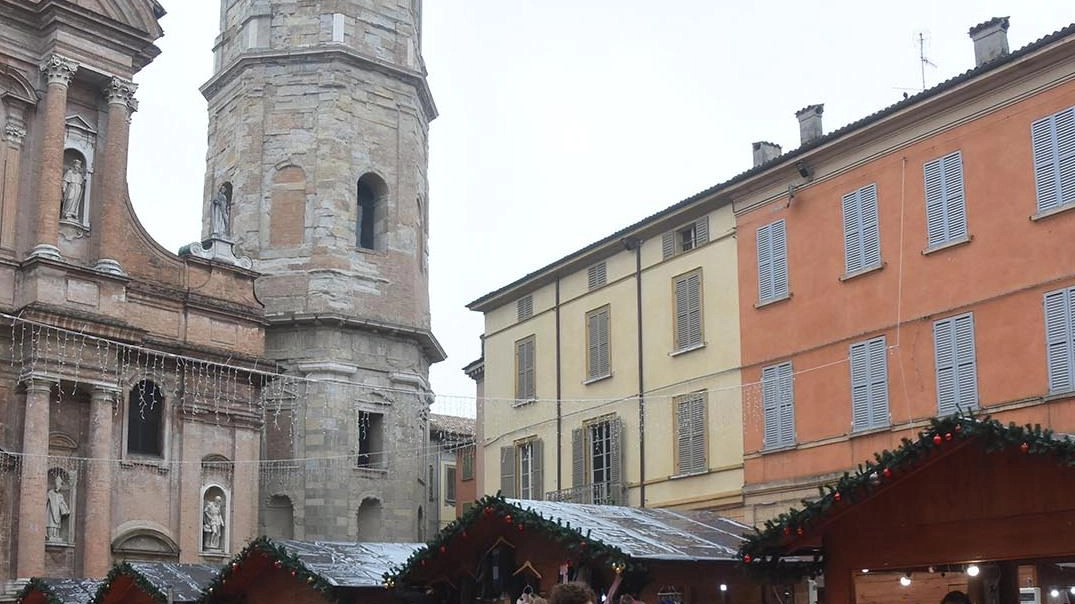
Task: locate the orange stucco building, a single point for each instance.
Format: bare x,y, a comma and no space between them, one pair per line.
907,265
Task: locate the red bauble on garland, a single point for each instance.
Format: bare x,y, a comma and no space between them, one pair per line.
507,519
521,528
937,439
465,534
488,510
278,564
443,549
747,558
787,531
799,531
1025,448
887,473
947,436
836,496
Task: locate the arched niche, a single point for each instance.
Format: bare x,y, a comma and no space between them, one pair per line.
216,519
80,140
60,507
372,211
278,518
370,515
287,207
144,541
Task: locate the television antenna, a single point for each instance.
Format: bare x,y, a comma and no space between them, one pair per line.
923,61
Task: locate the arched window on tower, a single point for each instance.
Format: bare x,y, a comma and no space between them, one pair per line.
369,520
372,194
145,419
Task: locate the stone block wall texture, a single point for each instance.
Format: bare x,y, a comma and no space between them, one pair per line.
309,96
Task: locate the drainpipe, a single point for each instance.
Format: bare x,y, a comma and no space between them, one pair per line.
559,416
635,243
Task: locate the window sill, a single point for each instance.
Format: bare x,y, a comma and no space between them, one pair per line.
764,303
1052,212
862,271
779,449
856,432
451,503
154,463
599,378
1059,394
523,403
59,545
676,353
215,554
947,244
688,474
372,471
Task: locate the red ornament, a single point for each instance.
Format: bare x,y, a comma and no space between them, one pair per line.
293,573
937,439
836,496
887,473
488,510
521,528
787,531
507,519
947,436
800,531
443,549
465,534
278,564
747,558
582,545
1025,448
235,566
423,562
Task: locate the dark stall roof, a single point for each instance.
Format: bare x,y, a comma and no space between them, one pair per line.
68,591
350,564
649,533
186,581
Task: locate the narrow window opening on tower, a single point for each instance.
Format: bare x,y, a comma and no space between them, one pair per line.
145,419
372,192
370,440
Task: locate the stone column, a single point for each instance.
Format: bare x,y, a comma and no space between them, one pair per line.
110,227
59,71
97,534
33,483
13,137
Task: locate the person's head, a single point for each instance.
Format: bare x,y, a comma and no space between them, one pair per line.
77,163
955,597
574,592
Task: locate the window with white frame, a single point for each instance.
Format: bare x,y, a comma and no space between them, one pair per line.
778,401
946,212
597,343
1053,139
685,238
862,239
869,384
772,262
688,318
1060,339
521,469
957,373
690,432
596,461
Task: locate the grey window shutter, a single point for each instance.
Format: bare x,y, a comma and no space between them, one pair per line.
507,471
615,470
966,363
682,314
690,433
944,353
780,259
578,458
771,407
862,243
955,202
852,233
871,233
1058,339
936,212
1053,140
694,306
524,367
698,441
765,263
668,244
537,453
592,345
860,387
603,341
878,370
683,435
787,404
701,231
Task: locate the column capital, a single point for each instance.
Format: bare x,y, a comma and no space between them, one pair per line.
107,394
14,134
59,69
37,384
121,92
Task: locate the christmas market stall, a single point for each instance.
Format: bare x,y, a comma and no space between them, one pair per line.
59,591
512,550
154,583
970,505
308,572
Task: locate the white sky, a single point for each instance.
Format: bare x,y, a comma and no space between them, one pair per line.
562,121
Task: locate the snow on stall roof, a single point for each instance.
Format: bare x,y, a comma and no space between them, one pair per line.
186,581
649,533
73,591
351,564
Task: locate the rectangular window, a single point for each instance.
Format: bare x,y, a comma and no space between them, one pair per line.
687,323
432,484
524,370
524,308
597,343
862,241
449,485
525,456
869,384
772,262
145,420
690,433
521,469
685,238
596,275
467,455
957,373
1060,339
596,462
1053,138
946,213
600,434
778,400
371,440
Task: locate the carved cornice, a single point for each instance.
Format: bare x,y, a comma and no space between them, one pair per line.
59,70
14,134
121,92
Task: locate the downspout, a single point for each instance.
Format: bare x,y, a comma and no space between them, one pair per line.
559,416
635,243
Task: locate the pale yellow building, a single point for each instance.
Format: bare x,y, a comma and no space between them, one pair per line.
561,416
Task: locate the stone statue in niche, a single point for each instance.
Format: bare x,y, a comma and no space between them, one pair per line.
56,510
74,185
213,524
220,213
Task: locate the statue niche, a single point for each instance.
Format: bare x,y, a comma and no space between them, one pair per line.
73,187
59,504
214,520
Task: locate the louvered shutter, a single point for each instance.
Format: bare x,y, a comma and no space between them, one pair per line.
862,242
780,259
615,467
786,400
936,212
765,263
507,471
944,345
537,455
878,368
528,347
593,344
871,233
955,203
1053,139
966,363
771,406
701,231
578,458
596,275
860,387
524,363
683,312
1058,339
852,233
668,244
1065,155
694,304
604,337
690,433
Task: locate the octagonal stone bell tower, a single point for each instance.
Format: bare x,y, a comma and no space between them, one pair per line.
319,117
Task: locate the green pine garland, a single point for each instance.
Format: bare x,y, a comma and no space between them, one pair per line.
579,547
763,553
124,569
40,585
280,558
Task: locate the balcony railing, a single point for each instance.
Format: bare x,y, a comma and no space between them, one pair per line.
601,493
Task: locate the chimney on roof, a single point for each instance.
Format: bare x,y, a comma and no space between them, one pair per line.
810,122
990,40
764,152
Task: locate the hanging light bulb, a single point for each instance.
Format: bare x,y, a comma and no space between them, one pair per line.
865,570
724,587
905,580
1055,593
1072,590
973,570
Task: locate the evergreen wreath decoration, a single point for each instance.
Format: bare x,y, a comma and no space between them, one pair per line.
280,559
126,570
